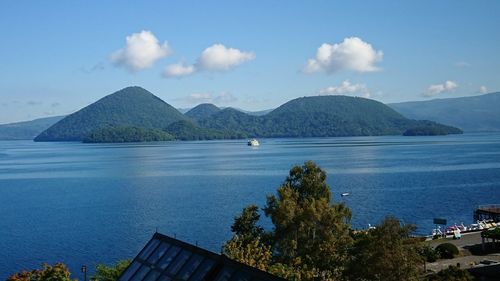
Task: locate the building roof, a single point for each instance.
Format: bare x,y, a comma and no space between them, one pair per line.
165,258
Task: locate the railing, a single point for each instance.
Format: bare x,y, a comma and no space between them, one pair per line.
488,207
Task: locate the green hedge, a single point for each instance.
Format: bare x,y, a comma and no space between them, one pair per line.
447,250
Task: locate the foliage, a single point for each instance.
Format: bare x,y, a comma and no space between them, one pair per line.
447,250
428,128
129,107
308,229
245,225
385,253
249,251
127,134
320,116
428,253
110,273
56,272
202,111
311,235
296,272
491,233
188,130
452,273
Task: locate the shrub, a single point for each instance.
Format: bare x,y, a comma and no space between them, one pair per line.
451,273
429,254
447,250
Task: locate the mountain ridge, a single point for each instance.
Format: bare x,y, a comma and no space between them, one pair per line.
125,113
131,106
471,114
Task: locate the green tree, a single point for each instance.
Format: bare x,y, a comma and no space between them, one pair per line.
249,251
56,272
110,273
308,229
386,253
245,225
452,273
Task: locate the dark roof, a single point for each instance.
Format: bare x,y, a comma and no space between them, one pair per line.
165,258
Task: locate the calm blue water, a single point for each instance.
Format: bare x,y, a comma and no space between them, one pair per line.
87,204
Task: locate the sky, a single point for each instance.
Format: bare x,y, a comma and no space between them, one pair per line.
57,57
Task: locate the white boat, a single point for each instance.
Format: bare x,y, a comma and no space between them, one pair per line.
345,194
253,142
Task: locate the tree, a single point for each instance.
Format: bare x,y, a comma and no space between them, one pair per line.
310,238
56,272
309,230
385,253
110,273
245,225
251,252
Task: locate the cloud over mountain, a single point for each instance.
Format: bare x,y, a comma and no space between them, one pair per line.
222,98
351,54
436,89
346,88
141,51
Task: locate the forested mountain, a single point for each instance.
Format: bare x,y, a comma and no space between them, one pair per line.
127,134
187,130
26,130
202,111
132,106
322,116
131,114
233,120
471,114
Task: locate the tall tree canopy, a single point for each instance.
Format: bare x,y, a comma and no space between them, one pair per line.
386,253
308,229
310,235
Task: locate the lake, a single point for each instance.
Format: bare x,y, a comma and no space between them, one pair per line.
98,203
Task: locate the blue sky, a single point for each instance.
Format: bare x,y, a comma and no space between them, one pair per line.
59,56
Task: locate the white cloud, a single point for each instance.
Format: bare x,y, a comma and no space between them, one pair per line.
178,70
483,90
436,89
223,98
352,54
214,58
199,98
220,58
141,51
346,88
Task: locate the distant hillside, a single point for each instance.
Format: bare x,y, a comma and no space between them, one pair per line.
127,134
321,116
134,114
230,119
471,114
187,130
26,130
255,113
202,111
132,106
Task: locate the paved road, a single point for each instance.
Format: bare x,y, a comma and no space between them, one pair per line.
467,260
467,239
